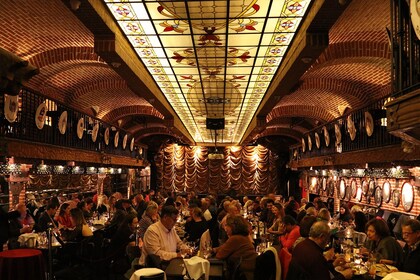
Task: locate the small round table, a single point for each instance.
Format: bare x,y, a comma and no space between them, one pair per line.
22,264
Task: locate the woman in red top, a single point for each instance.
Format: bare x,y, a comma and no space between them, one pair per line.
63,218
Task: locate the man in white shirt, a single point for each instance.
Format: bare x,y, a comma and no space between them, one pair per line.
161,238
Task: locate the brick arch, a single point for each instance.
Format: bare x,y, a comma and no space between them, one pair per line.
313,112
298,128
350,91
301,126
355,49
142,133
121,112
57,55
97,85
281,131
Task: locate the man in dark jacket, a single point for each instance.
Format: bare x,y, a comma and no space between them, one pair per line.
411,235
308,261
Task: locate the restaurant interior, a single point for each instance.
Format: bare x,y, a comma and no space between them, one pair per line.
299,98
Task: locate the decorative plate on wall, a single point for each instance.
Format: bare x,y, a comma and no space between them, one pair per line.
317,140
407,196
303,145
95,131
326,136
132,144
386,191
337,134
324,184
351,128
365,187
342,189
41,115
309,142
106,136
359,194
396,198
62,122
116,139
353,186
378,196
124,143
80,128
372,186
368,124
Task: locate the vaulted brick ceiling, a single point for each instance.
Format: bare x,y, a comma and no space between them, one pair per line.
67,45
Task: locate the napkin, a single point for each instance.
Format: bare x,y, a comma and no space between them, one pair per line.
196,267
23,238
146,272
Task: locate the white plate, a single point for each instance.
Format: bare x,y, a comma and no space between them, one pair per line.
132,144
124,143
303,145
95,131
317,140
106,136
382,270
11,107
326,136
415,16
369,124
80,128
116,139
41,115
62,123
337,134
309,142
351,128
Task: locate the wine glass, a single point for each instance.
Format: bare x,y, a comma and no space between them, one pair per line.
208,250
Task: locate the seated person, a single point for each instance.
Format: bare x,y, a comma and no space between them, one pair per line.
291,232
63,218
411,235
81,228
46,219
125,236
304,228
149,217
15,228
308,261
380,242
238,245
161,238
195,227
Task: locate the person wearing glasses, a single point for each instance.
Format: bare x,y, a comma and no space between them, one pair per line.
411,235
161,239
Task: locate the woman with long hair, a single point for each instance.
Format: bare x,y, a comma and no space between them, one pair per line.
381,244
81,228
63,218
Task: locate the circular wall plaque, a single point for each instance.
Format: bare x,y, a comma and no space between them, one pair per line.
309,142
324,184
317,140
365,187
303,145
386,191
407,196
353,187
326,136
342,189
396,198
359,194
371,190
378,196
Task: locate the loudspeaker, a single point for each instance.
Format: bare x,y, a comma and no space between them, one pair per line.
215,124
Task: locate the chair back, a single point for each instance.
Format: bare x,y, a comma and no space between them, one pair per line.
266,266
361,237
285,258
148,274
205,239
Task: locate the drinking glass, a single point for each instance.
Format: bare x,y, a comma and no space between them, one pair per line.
208,250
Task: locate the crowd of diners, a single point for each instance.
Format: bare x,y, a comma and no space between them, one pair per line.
147,222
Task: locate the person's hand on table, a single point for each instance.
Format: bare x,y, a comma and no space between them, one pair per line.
347,273
339,261
329,255
26,229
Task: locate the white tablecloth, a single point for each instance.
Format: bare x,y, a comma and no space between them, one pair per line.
196,267
401,276
146,272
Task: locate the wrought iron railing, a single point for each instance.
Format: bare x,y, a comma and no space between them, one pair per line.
24,127
362,141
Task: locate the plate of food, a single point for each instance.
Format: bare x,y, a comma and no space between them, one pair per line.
358,269
382,270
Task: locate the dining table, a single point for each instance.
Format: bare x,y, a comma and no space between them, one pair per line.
176,269
22,264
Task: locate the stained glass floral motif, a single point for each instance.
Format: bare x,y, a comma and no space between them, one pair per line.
211,58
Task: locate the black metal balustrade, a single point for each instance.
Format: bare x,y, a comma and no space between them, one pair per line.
379,138
24,128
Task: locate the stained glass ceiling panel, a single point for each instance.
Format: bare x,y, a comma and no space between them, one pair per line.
211,59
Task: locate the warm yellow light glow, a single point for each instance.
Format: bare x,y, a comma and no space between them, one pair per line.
211,59
314,182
